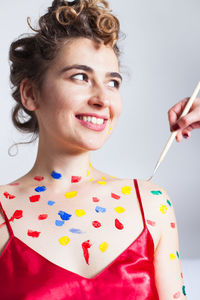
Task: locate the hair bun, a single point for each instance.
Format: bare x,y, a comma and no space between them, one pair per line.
55,4
74,2
58,3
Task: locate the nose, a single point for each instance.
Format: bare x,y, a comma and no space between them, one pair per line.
99,96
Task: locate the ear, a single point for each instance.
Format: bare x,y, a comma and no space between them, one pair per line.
28,95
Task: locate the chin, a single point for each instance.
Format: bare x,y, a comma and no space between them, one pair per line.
91,145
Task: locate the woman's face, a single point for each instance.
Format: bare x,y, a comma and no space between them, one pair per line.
92,87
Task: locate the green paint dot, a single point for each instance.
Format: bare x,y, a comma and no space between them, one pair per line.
156,192
169,203
183,289
177,254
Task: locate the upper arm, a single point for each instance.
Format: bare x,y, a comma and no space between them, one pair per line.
168,274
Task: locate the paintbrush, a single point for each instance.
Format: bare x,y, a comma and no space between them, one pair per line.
173,134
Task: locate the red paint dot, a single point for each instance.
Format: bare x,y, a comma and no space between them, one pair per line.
14,183
86,245
177,295
95,199
33,233
38,178
115,196
118,224
8,196
76,179
34,198
96,224
152,223
172,225
42,217
17,214
181,275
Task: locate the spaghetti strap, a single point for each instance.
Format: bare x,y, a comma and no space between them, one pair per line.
7,221
139,199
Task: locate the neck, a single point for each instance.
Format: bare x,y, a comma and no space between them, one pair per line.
61,168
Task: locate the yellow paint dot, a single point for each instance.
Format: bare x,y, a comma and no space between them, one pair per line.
126,190
71,194
172,256
163,190
163,209
91,179
102,182
110,129
80,212
64,240
88,173
113,176
103,247
90,163
119,209
104,178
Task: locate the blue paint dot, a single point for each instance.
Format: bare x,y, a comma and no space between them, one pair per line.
64,215
100,209
40,188
56,175
51,203
74,230
59,223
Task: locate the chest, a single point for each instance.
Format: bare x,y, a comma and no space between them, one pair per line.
81,230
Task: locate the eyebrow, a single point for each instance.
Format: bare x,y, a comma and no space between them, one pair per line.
89,69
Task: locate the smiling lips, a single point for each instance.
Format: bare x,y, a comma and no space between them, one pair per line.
86,121
93,115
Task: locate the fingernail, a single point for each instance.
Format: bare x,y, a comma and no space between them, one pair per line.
175,127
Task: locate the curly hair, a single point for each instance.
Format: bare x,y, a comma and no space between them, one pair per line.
31,56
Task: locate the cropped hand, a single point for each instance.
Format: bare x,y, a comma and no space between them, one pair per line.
186,124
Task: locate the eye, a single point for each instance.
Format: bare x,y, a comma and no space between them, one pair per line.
80,74
117,84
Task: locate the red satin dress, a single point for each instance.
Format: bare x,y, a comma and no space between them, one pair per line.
27,275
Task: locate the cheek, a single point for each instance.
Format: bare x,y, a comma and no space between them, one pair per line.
57,99
118,108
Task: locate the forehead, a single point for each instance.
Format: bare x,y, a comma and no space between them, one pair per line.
86,52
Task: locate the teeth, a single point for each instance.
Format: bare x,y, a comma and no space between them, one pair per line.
92,120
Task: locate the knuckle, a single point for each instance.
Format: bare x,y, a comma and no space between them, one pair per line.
184,121
169,111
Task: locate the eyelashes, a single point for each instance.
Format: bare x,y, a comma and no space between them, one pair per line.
117,84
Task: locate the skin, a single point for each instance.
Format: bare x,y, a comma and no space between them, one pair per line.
64,146
187,123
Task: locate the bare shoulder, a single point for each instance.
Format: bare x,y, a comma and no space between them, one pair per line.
4,194
155,198
3,229
158,207
2,191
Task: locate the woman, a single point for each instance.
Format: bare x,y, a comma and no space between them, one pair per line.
70,231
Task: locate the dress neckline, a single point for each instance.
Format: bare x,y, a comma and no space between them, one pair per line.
13,237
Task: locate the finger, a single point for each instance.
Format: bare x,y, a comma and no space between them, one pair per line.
176,110
188,129
179,136
186,134
191,119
